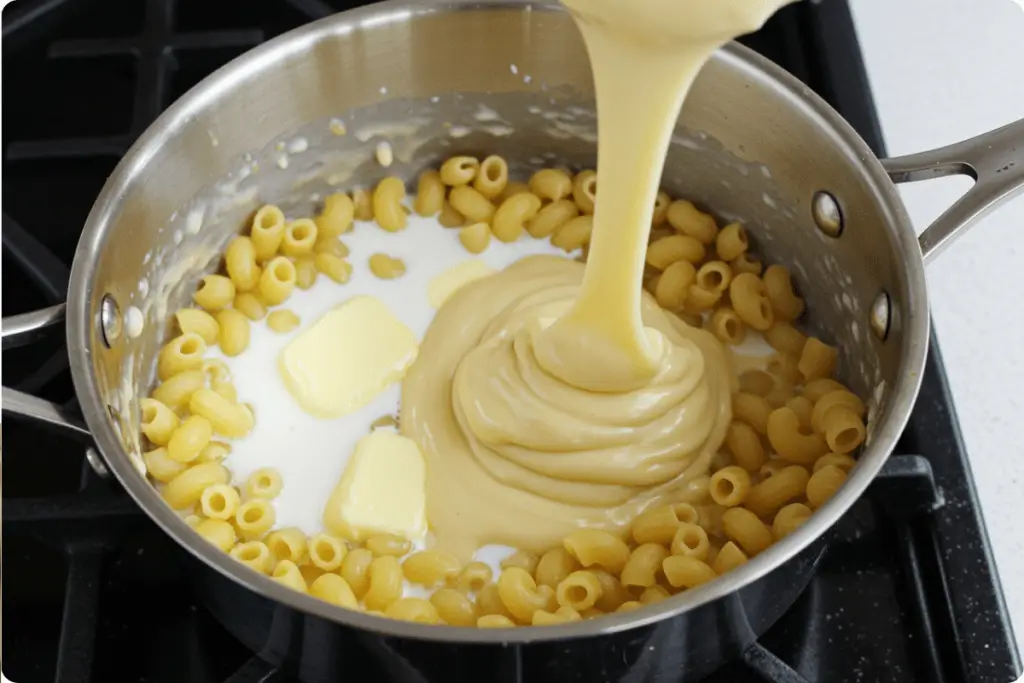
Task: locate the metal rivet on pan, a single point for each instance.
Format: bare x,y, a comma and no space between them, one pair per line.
881,315
96,463
110,320
827,214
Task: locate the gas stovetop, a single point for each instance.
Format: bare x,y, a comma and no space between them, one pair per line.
93,591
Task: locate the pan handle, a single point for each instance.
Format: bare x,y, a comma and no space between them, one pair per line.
25,328
22,405
995,160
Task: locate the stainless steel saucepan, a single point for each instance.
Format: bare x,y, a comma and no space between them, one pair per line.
511,78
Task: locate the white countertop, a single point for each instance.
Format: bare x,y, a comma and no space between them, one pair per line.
942,71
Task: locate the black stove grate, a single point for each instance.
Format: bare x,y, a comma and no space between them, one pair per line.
94,591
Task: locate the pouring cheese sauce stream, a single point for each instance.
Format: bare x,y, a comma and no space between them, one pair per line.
551,396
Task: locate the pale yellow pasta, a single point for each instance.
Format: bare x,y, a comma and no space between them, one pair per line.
229,419
255,517
840,460
494,621
185,489
198,321
663,252
689,220
642,566
453,608
355,569
215,292
728,558
305,273
215,451
336,217
299,238
430,567
385,576
817,360
471,204
563,615
551,217
674,285
217,532
654,594
473,577
552,184
574,233
335,590
823,484
289,543
714,276
816,389
417,610
492,177
785,338
388,544
277,281
750,301
745,263
181,354
786,304
758,382
772,467
430,193
157,421
691,540
613,593
449,217
700,300
844,430
683,571
488,601
833,399
287,572
250,306
752,409
584,190
731,242
789,519
193,520
266,232
749,532
521,594
661,204
727,326
512,188
325,245
386,267
510,217
459,170
240,263
264,483
554,566
771,494
729,486
792,441
176,391
784,367
745,445
597,547
220,501
362,204
780,395
475,238
522,559
191,437
387,204
283,321
326,552
803,409
659,525
628,606
336,268
160,466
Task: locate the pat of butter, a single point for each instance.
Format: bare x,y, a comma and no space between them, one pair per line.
383,490
448,282
347,358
